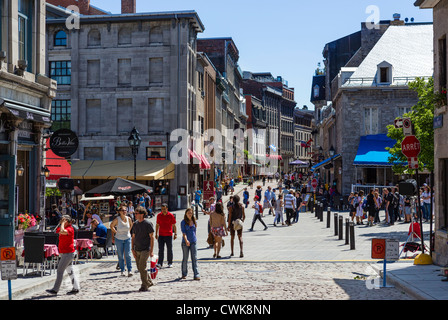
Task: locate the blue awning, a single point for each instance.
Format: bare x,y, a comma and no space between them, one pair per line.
372,151
320,164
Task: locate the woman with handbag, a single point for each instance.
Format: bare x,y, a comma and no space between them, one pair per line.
235,219
218,228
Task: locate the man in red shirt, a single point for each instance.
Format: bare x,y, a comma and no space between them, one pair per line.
66,253
165,227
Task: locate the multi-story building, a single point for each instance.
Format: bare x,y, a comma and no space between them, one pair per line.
368,96
256,130
25,108
120,71
440,30
224,55
278,99
303,127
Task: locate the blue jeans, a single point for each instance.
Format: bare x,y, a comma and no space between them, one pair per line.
426,211
193,251
124,252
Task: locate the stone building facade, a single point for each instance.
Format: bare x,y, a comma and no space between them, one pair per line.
440,12
25,108
120,71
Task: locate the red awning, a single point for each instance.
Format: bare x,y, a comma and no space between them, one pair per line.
273,156
204,163
58,166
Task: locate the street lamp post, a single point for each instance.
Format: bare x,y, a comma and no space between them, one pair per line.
134,141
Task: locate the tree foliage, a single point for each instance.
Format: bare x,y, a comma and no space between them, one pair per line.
422,117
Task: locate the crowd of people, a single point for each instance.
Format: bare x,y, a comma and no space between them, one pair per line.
135,234
397,207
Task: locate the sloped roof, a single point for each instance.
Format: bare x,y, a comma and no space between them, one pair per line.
408,48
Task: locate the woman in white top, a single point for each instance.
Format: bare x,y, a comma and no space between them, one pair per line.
121,229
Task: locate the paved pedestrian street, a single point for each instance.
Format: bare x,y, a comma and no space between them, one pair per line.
304,261
226,280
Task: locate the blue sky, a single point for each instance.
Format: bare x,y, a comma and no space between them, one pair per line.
284,37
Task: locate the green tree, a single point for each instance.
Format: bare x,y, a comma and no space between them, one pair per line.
422,116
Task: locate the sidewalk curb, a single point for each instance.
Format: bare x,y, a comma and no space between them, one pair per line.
402,285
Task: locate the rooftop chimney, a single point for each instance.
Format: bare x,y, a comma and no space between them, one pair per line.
397,21
128,6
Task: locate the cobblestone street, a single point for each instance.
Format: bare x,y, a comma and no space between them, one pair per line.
226,280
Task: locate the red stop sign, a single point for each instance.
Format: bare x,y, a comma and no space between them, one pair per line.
410,147
314,183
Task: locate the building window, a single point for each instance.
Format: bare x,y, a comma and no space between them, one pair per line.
384,75
442,64
93,153
94,38
371,121
61,114
25,26
61,71
60,39
384,70
155,153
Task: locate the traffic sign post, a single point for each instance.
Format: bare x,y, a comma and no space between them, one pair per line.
386,249
8,266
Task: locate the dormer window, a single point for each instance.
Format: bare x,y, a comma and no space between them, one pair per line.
60,39
384,75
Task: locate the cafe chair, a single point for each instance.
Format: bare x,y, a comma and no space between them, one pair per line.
108,244
34,254
52,238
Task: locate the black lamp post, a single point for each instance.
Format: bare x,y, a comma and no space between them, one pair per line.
134,141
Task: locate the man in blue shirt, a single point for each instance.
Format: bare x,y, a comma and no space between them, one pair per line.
268,196
197,198
100,232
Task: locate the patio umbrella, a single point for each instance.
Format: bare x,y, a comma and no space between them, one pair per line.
298,162
118,187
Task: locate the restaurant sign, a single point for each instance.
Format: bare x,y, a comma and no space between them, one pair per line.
64,143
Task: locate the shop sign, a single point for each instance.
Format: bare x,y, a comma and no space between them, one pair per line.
64,143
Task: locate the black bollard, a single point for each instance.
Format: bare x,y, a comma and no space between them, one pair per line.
347,231
335,224
340,227
316,205
352,236
321,216
328,217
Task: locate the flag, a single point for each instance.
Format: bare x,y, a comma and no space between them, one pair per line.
274,148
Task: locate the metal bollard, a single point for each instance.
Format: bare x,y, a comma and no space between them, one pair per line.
328,217
340,227
321,215
352,236
347,230
316,206
335,224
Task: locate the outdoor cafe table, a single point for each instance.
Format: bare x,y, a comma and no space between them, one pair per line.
51,250
81,244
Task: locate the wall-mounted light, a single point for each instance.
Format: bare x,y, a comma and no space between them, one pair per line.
20,170
46,172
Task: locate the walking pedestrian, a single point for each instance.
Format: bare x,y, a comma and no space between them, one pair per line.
142,243
426,200
371,207
165,229
236,212
407,210
218,228
188,227
359,209
378,203
257,215
66,253
278,209
121,229
351,201
290,206
246,197
298,206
